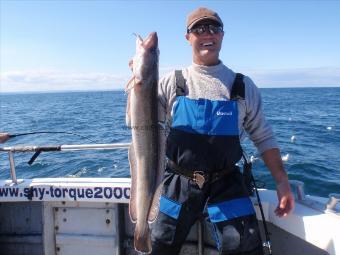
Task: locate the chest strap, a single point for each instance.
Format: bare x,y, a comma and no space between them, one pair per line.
237,90
199,177
180,83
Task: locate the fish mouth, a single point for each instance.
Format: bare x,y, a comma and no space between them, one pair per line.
151,42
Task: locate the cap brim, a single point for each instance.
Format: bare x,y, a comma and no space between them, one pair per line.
205,18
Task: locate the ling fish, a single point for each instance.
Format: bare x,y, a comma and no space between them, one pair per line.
146,150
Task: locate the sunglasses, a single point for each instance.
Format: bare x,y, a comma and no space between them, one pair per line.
200,29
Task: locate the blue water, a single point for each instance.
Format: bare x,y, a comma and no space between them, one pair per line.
310,114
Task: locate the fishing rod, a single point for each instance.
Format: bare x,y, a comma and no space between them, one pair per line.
251,186
6,136
49,132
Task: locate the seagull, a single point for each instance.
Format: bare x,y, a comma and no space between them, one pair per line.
293,139
285,157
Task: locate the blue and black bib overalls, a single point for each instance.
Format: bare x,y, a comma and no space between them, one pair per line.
203,147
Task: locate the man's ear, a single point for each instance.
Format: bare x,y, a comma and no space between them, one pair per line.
187,36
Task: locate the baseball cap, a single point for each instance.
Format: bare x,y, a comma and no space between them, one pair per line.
202,14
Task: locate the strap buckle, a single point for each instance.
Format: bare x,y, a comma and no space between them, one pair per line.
199,178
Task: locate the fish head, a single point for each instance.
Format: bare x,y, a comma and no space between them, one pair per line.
145,61
151,42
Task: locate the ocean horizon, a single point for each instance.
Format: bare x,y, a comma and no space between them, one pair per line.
122,89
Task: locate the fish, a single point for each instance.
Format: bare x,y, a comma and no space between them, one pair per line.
146,150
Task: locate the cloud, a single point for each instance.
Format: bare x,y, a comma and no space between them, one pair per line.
297,77
52,80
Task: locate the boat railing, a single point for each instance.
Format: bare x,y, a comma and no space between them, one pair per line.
299,192
38,149
297,186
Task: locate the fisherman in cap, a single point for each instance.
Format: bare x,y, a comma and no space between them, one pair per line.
209,109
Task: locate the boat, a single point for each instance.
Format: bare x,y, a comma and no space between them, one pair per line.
89,216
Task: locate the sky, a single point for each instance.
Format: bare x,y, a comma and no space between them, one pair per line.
86,45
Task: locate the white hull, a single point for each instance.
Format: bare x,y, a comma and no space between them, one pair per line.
89,216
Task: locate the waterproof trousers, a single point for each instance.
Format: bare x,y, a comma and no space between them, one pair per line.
229,207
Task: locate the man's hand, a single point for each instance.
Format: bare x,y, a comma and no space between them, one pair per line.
131,64
272,159
4,137
286,199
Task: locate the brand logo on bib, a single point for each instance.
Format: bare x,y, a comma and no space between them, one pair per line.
224,113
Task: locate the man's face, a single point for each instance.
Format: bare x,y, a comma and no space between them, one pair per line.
205,46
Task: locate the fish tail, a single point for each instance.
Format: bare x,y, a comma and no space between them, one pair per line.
142,239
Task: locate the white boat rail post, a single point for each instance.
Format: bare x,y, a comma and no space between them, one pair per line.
334,198
298,188
12,167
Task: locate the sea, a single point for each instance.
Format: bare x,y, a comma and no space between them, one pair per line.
306,122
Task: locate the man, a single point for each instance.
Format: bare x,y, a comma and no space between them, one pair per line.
209,108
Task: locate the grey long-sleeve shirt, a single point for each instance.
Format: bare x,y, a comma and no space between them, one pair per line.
214,83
